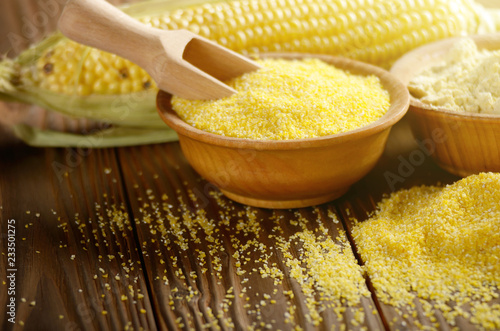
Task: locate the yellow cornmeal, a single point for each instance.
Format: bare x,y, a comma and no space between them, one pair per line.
440,244
290,100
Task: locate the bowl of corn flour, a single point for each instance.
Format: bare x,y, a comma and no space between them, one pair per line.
298,132
454,87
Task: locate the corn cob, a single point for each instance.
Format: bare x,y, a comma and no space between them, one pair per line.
80,81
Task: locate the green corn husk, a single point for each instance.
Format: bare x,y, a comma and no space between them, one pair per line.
133,116
110,137
133,109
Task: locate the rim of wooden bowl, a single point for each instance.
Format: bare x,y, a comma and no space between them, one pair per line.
425,56
398,92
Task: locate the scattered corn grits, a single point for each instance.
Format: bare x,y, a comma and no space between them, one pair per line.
289,100
435,247
327,275
467,80
440,244
206,246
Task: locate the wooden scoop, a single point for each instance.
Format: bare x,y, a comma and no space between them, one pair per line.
180,62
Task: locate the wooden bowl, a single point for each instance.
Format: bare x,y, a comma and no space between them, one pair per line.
461,143
290,173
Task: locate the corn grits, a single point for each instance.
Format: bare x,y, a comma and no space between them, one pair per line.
289,99
438,244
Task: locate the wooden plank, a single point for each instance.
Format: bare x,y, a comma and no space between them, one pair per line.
217,264
193,242
76,258
24,22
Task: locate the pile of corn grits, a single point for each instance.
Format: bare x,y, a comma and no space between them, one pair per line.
289,99
440,244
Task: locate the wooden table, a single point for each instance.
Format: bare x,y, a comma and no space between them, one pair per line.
90,254
117,239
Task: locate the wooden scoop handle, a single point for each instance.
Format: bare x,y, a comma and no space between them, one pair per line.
180,62
99,24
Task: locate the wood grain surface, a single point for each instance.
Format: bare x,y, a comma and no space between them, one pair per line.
133,238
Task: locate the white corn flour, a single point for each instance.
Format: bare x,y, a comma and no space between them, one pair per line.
468,80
